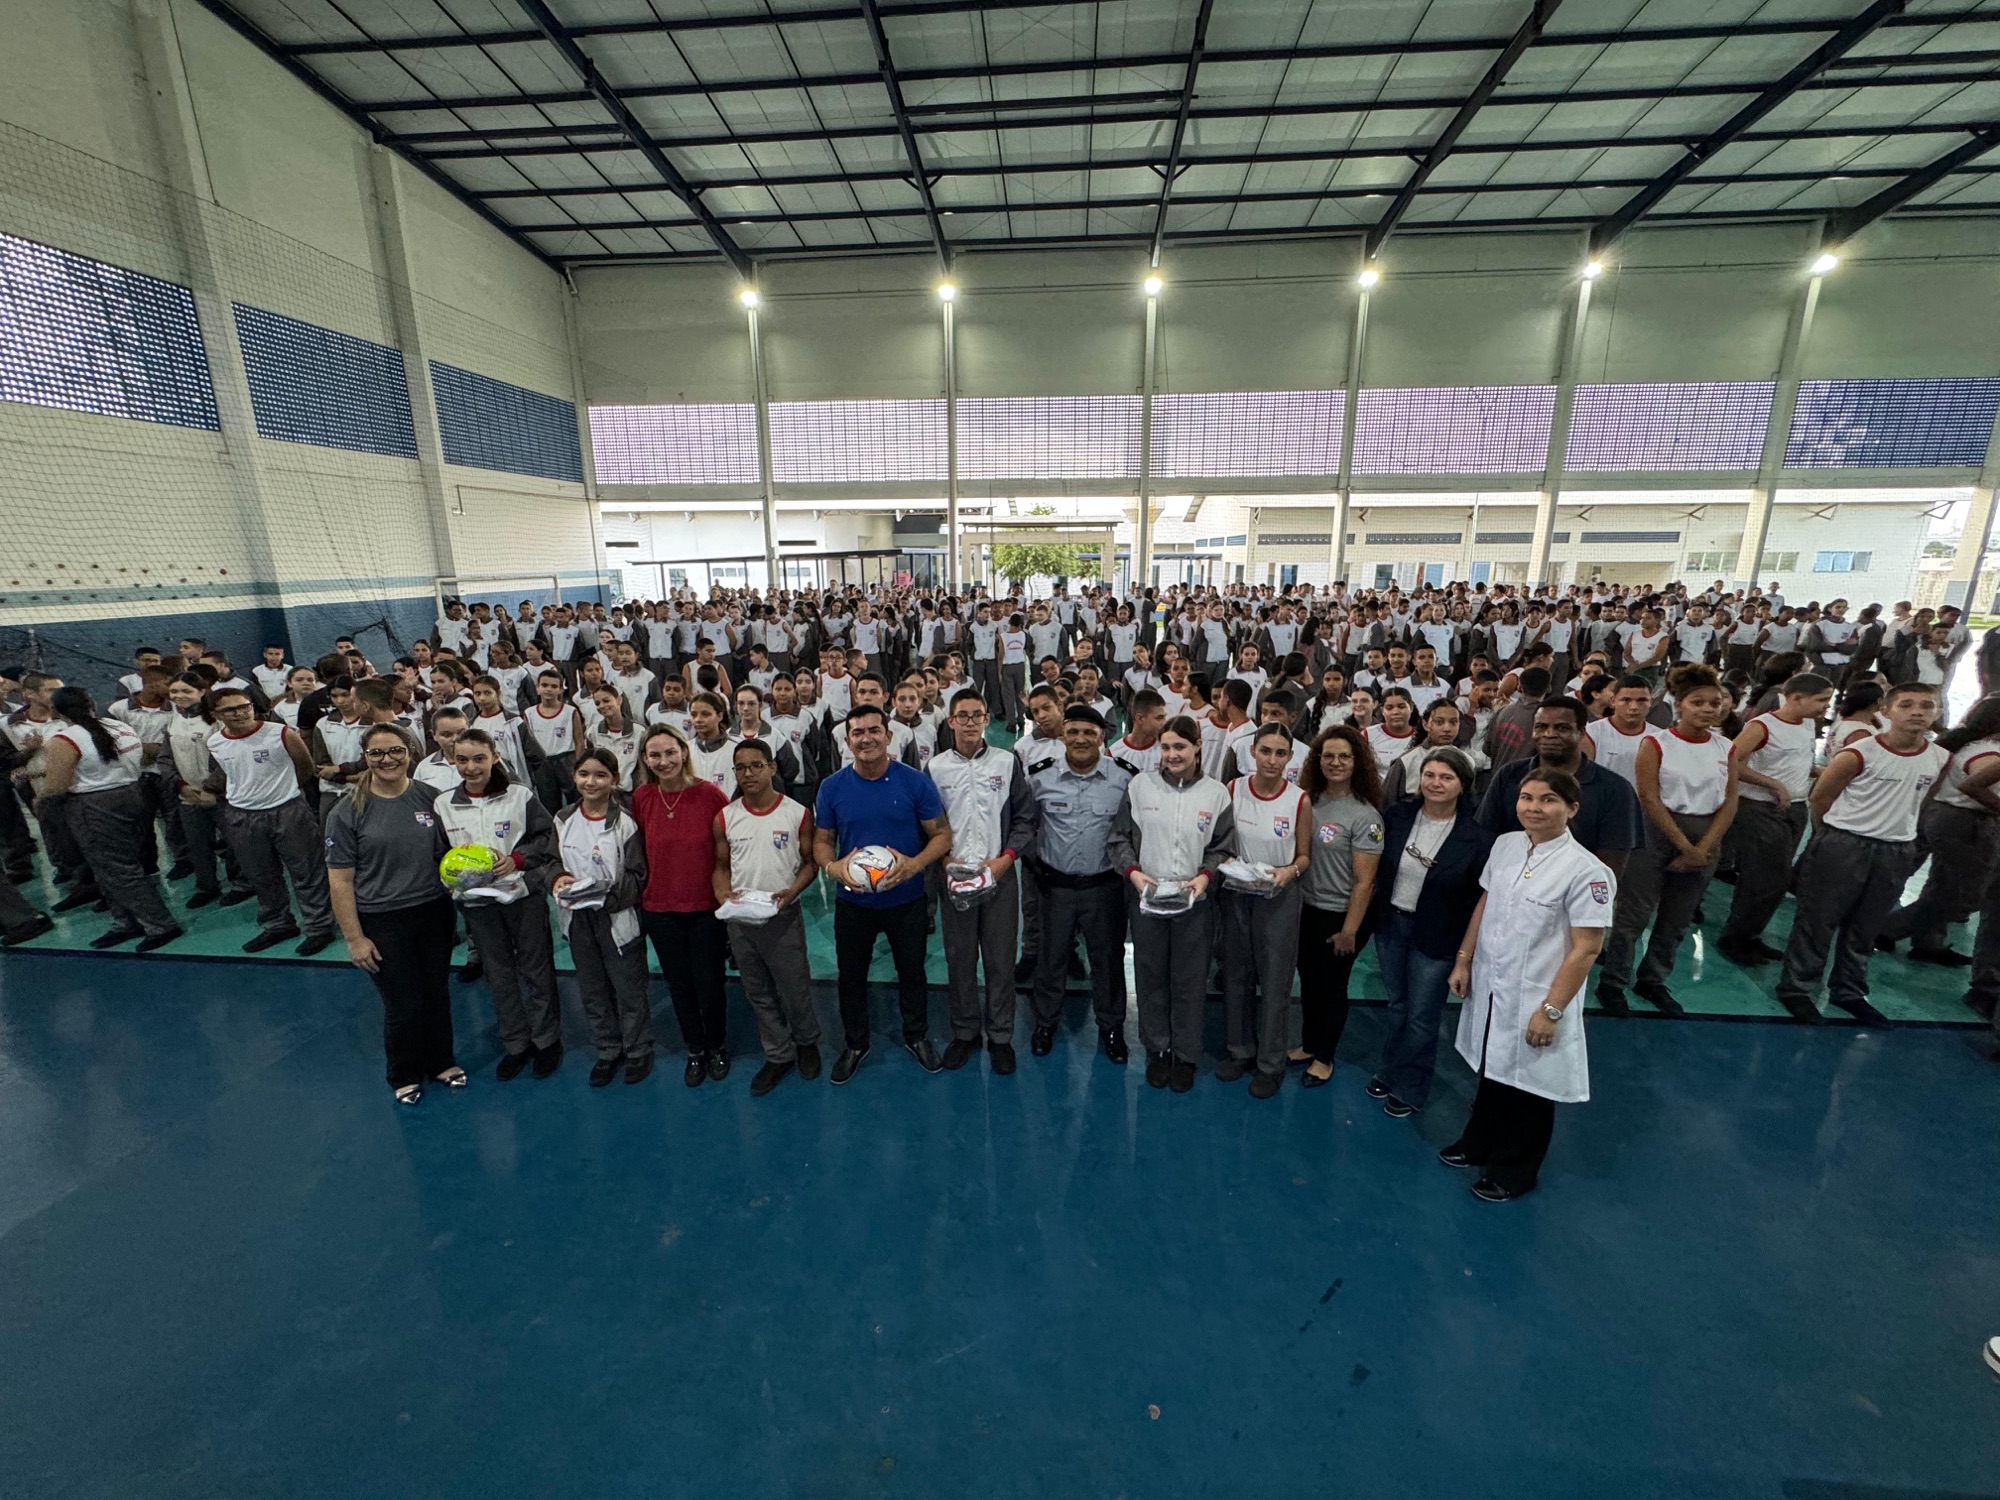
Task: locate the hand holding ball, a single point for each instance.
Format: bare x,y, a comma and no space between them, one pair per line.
869,865
467,865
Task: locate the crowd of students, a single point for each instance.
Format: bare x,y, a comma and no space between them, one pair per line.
1504,791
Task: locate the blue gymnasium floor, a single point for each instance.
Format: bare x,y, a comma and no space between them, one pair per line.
1760,1265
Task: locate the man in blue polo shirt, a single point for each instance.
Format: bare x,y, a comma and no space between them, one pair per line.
880,801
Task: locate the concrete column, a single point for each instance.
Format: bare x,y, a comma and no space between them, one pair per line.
1960,588
580,398
1784,400
1343,484
763,437
952,574
1142,550
1569,356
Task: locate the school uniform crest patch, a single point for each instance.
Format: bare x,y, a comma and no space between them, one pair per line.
426,820
1203,821
1281,828
1600,892
781,841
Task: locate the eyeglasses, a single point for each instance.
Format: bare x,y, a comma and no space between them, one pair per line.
969,718
393,753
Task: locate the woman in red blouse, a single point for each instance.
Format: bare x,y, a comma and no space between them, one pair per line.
677,815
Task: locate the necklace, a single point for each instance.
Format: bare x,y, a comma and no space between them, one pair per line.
673,807
1528,865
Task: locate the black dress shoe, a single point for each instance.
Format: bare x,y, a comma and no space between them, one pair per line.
42,923
1377,1089
1396,1109
638,1069
1865,1013
1043,1041
960,1052
1455,1155
925,1054
808,1063
767,1078
512,1066
1766,952
1265,1085
695,1074
316,942
203,898
1802,1011
116,936
236,898
181,870
1489,1191
79,898
152,942
1311,1080
1660,998
848,1064
603,1071
718,1064
1159,1069
1229,1069
1003,1057
1747,955
1113,1043
1612,1002
548,1059
1944,958
471,971
1181,1079
270,939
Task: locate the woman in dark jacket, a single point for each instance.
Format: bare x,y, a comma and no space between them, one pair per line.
1426,885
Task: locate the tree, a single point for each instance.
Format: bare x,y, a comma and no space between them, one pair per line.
1020,561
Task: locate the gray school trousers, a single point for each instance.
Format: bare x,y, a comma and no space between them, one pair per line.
1845,887
1092,906
1171,957
520,958
988,929
1260,953
199,825
1964,847
274,842
613,984
1649,894
1765,836
777,981
114,828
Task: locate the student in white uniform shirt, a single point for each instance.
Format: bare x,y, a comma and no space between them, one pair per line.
1139,750
616,733
1960,829
1520,970
189,789
93,769
1617,736
270,674
713,748
1774,761
1273,826
1686,779
1397,733
262,770
552,733
1866,804
671,710
439,770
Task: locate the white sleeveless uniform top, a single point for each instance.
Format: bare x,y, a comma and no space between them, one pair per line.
97,775
557,735
1267,829
767,848
1786,756
624,745
1389,748
717,766
1133,758
1694,774
1885,796
256,768
1617,751
1962,761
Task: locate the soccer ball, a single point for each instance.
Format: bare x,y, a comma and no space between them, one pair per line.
465,860
868,864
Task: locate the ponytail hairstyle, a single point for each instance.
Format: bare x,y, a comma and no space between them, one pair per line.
74,704
205,709
358,794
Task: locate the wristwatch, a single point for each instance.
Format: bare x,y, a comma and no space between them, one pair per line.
1551,1012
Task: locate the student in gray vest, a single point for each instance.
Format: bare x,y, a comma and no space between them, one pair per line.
602,848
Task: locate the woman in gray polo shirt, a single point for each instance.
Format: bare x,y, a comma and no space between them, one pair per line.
1341,781
382,849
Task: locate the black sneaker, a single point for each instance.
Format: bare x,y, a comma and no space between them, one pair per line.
116,936
181,870
270,939
808,1063
236,898
1003,1057
695,1074
1043,1042
1489,1191
1265,1085
638,1069
960,1052
1181,1079
1802,1011
78,899
512,1066
1396,1109
1113,1044
767,1078
548,1059
1865,1013
1159,1069
1455,1155
153,941
925,1054
203,898
1229,1069
316,942
42,923
1766,952
603,1071
1660,998
1612,1002
1746,955
718,1064
848,1064
1944,958
1377,1089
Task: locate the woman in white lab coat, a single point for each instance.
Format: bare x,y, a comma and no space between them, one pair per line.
1528,948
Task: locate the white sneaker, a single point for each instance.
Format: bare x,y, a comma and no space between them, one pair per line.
1993,1354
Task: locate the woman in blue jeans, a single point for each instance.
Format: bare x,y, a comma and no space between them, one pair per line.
1425,888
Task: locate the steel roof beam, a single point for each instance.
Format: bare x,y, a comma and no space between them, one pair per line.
636,133
886,65
1805,26
1172,170
1841,42
1842,227
1538,16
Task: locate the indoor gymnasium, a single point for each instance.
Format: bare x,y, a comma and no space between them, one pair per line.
949,748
